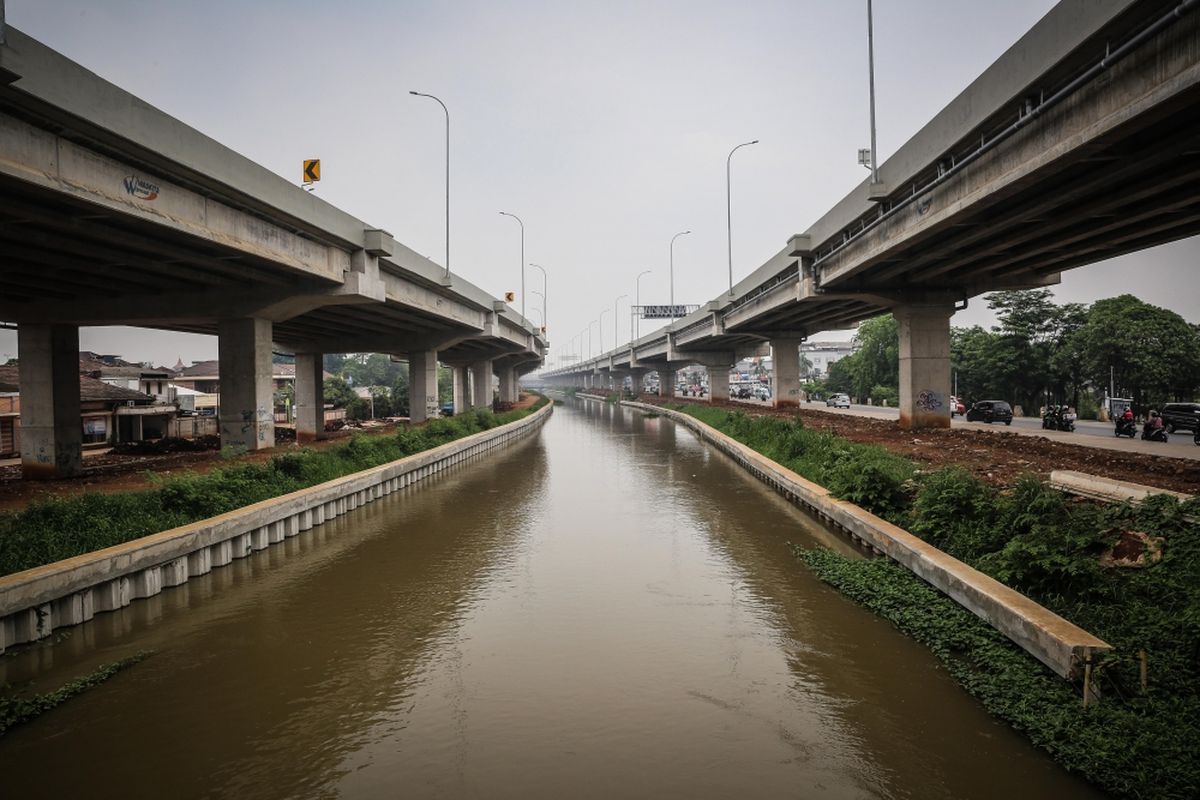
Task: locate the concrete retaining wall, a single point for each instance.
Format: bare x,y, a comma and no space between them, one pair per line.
35,602
1057,643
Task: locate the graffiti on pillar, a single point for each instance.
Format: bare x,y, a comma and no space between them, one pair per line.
929,400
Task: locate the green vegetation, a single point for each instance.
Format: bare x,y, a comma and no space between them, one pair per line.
1042,352
58,528
1137,743
16,709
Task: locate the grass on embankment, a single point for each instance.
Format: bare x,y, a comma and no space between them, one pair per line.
1134,743
57,528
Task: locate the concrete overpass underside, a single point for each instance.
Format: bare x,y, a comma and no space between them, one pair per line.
1080,143
113,213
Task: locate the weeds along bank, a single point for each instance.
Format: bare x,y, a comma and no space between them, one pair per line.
60,528
1128,574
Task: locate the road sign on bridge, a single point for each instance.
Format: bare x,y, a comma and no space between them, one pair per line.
312,170
664,312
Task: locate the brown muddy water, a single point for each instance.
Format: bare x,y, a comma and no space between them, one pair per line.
608,609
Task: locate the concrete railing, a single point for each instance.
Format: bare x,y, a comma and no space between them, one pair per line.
1057,643
35,602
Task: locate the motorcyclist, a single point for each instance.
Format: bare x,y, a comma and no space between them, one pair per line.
1128,415
1153,426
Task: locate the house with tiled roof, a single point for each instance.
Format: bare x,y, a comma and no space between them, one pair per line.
108,413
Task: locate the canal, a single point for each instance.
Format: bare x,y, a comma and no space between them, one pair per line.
608,609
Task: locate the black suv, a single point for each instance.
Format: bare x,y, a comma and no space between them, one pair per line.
1181,416
990,411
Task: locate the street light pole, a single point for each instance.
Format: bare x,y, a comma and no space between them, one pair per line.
446,278
545,293
638,302
729,211
615,302
871,68
600,325
522,224
543,309
673,238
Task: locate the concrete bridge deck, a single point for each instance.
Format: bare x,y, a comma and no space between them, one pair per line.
112,212
1080,143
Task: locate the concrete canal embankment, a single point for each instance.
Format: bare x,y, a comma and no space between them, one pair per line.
1062,646
35,602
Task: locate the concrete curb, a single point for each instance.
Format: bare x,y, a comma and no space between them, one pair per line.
1107,490
1057,643
35,602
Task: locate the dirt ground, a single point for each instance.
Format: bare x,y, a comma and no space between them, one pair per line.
999,457
121,473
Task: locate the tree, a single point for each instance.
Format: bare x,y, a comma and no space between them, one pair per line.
875,362
338,392
1151,353
400,393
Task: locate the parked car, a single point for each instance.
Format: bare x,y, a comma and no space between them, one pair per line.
838,401
957,407
1181,417
990,411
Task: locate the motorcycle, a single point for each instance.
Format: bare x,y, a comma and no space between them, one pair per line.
1125,427
1154,434
1055,420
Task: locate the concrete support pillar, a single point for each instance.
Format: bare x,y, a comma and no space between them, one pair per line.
481,384
422,385
785,362
618,382
666,383
638,381
462,394
508,384
247,416
924,365
310,398
51,427
718,382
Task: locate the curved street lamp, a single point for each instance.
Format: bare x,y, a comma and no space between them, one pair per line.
728,209
446,279
522,224
673,238
615,302
637,302
545,292
601,324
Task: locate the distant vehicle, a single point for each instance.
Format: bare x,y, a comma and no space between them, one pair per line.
1181,416
838,401
447,409
990,411
762,392
957,407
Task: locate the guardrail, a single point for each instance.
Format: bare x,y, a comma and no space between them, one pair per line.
35,602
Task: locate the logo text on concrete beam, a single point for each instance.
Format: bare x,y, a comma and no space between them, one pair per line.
142,190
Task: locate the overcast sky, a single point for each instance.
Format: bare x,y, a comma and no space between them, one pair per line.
604,125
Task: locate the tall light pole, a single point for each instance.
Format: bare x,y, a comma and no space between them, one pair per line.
601,326
545,293
543,310
871,68
446,278
638,302
615,303
729,211
522,224
673,238
590,324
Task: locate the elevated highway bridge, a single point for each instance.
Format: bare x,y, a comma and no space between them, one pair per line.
114,213
1080,143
